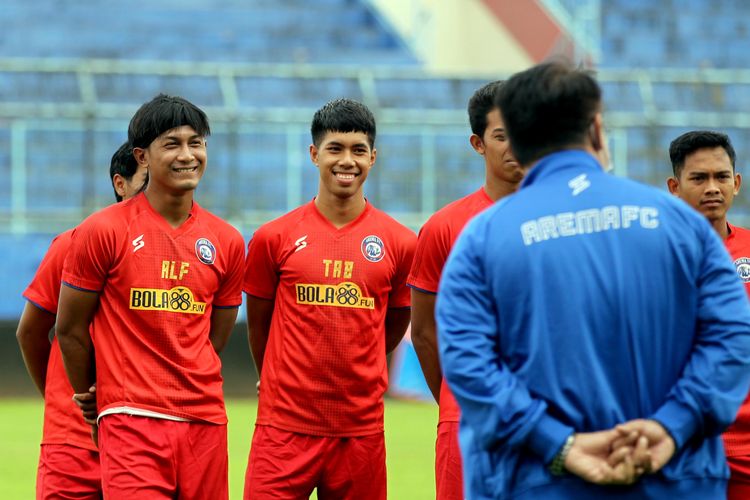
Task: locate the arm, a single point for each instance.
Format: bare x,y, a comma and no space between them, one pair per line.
75,312
396,322
496,405
259,313
424,337
714,381
222,322
33,338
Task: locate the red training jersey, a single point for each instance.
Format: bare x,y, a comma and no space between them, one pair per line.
737,436
436,238
324,368
157,288
63,422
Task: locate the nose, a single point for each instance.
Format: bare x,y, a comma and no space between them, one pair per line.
347,159
185,154
712,186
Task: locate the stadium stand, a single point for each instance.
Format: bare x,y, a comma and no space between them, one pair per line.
260,68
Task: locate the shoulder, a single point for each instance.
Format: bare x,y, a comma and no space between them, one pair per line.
223,229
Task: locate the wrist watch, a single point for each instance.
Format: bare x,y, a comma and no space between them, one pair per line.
557,466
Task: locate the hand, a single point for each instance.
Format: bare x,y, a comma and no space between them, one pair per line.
257,388
86,401
661,446
593,458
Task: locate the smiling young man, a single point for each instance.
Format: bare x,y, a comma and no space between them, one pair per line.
502,177
158,278
703,164
326,300
68,459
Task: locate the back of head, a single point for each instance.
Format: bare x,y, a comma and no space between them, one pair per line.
692,141
123,163
162,113
548,108
343,115
481,103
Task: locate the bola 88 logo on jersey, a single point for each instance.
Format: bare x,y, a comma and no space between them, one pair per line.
178,299
346,294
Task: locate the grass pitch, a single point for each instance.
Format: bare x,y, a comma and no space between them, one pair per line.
409,434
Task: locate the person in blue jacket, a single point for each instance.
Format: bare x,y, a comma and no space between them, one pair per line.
593,329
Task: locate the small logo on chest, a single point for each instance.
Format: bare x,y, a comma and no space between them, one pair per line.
138,243
300,244
205,251
743,268
373,248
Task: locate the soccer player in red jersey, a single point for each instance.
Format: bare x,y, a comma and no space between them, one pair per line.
68,460
326,300
703,164
160,280
502,177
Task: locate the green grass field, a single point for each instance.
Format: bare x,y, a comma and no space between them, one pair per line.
409,432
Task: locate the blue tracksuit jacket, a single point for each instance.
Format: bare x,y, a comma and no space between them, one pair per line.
580,302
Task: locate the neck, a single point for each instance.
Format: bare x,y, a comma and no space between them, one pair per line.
175,208
497,189
720,226
340,211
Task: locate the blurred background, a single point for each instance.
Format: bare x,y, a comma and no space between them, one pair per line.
73,72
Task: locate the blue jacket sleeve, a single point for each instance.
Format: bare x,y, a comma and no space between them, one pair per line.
715,380
494,402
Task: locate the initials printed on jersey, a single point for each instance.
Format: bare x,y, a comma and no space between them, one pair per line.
178,299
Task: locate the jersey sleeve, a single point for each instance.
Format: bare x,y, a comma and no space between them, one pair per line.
400,296
230,291
433,247
91,255
44,289
261,268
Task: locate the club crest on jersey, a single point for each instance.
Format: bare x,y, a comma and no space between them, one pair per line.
743,268
373,248
205,251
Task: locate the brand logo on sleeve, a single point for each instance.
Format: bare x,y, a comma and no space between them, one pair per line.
578,184
205,251
373,248
300,244
743,268
138,243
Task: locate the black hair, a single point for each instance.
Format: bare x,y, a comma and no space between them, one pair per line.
343,115
162,113
480,104
690,142
124,163
548,108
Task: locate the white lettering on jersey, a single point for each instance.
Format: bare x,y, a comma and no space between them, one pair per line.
138,243
590,220
578,184
300,244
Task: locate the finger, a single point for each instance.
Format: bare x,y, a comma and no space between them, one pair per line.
628,439
92,389
624,472
619,455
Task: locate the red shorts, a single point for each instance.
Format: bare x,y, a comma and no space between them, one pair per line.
739,481
448,471
153,458
286,465
67,471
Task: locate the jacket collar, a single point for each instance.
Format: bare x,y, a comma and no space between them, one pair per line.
550,165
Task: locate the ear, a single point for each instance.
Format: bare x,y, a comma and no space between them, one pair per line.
477,143
314,154
597,132
118,182
737,183
673,185
140,156
373,156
